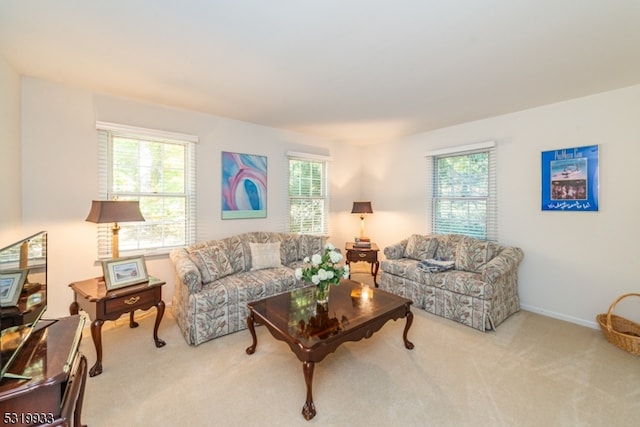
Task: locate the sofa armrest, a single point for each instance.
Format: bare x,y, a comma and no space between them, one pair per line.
186,270
507,261
396,251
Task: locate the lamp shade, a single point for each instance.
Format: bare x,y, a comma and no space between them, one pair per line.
114,211
361,208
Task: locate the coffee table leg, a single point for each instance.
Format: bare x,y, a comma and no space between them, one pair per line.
408,344
252,348
309,409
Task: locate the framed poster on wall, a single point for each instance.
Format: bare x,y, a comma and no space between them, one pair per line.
570,179
244,186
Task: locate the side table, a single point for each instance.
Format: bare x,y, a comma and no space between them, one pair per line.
370,255
92,296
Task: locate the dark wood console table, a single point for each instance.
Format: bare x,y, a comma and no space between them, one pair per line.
54,393
92,297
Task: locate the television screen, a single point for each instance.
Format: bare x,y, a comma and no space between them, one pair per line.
23,295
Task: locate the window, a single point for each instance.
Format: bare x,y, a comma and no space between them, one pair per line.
308,195
463,191
158,169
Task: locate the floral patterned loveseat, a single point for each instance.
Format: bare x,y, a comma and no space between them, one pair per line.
215,279
480,291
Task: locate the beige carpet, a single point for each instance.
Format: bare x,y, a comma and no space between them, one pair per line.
532,371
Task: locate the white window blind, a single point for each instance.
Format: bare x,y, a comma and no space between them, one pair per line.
156,168
463,191
308,194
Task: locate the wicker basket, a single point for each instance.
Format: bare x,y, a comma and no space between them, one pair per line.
619,331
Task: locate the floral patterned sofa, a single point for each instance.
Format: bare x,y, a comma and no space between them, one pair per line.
480,291
216,279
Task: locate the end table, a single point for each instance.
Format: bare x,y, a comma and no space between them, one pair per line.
366,254
92,296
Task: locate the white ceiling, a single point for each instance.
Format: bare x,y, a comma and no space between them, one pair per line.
360,71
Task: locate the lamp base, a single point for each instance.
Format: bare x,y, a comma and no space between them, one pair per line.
115,243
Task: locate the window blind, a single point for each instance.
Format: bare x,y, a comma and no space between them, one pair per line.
308,201
157,168
463,191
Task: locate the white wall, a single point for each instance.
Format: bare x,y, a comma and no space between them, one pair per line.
60,178
576,263
10,160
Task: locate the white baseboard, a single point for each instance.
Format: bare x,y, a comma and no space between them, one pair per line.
560,316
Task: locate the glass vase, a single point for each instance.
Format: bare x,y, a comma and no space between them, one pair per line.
322,293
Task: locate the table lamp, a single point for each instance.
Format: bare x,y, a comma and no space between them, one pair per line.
362,208
115,211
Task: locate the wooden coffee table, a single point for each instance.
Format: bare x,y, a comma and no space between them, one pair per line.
312,331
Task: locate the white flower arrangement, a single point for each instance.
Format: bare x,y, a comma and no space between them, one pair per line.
323,270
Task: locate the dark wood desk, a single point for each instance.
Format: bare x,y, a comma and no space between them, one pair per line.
370,255
92,297
313,331
57,372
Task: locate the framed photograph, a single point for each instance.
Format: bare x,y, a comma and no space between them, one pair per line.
244,186
11,283
122,272
570,179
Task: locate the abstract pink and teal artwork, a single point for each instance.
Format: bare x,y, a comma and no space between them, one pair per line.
244,186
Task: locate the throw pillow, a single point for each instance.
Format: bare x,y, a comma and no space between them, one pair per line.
310,244
421,247
448,246
213,263
288,248
473,254
265,255
234,246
